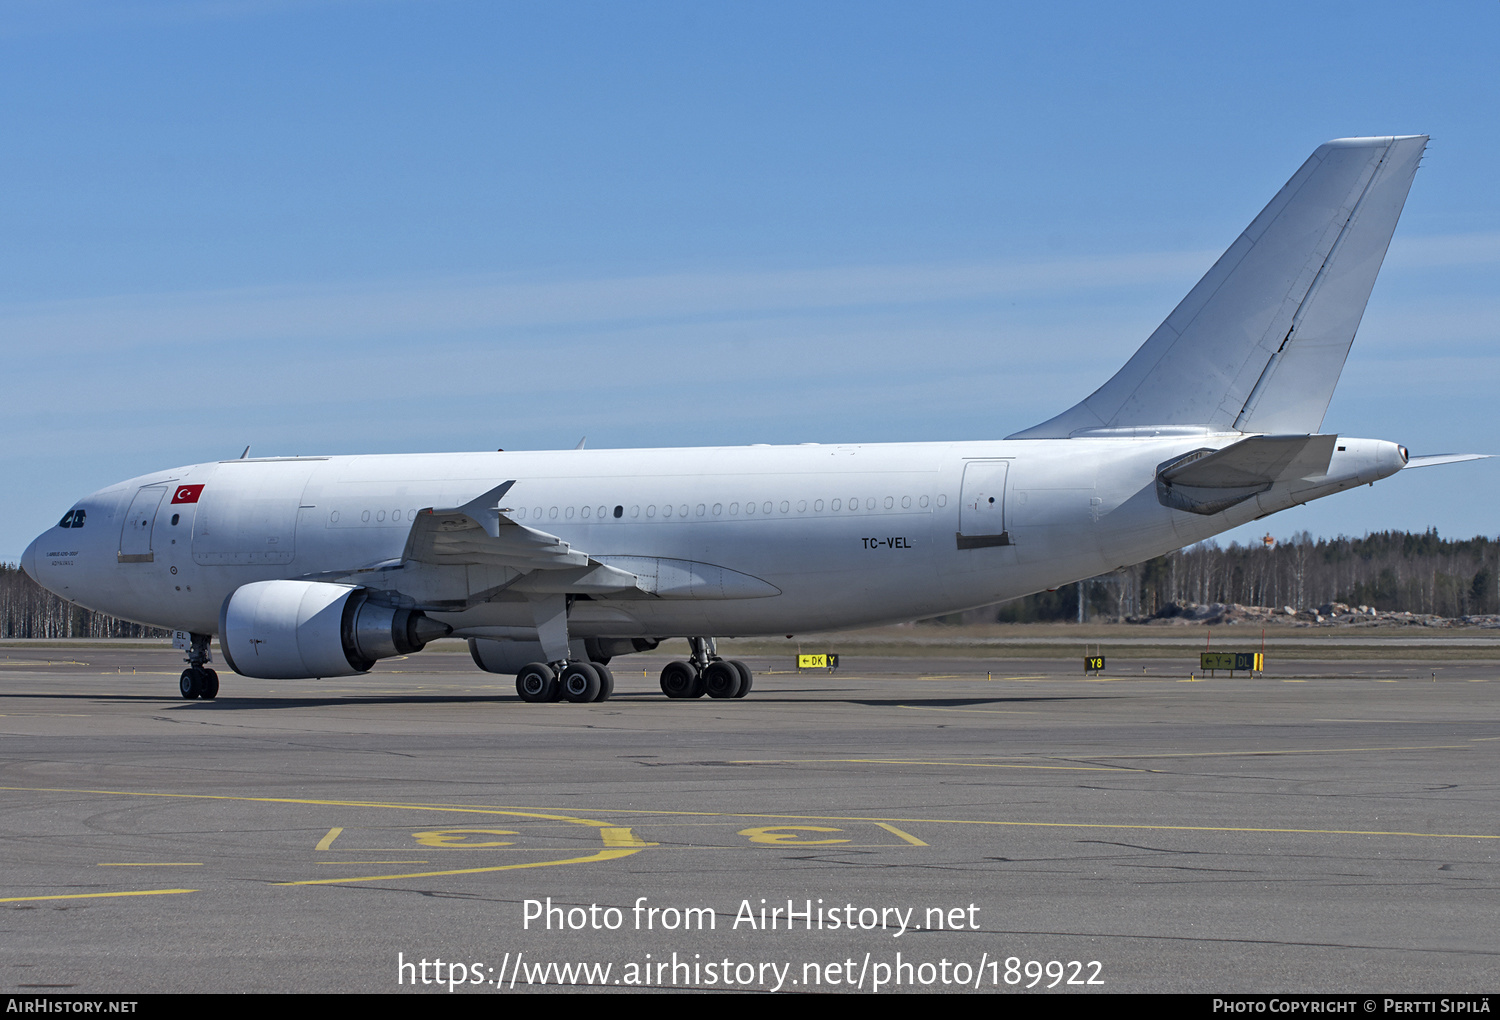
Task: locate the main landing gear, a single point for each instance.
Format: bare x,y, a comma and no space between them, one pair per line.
198,681
575,681
706,673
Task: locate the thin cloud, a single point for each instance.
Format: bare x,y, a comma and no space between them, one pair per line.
488,303
1444,251
477,303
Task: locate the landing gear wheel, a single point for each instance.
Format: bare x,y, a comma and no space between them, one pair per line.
722,680
537,682
198,681
580,682
606,681
745,677
680,680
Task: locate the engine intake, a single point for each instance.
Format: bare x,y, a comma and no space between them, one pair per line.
288,630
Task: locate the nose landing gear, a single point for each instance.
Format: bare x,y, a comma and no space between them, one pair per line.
198,681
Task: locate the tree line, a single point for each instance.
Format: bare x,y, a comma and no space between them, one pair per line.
27,610
1391,571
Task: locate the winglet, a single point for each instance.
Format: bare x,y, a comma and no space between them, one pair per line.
485,508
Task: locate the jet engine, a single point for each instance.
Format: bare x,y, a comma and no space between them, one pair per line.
287,630
510,656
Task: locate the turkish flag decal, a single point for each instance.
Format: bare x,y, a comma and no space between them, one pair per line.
187,494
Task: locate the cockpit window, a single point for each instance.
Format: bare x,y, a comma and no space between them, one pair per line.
78,517
67,521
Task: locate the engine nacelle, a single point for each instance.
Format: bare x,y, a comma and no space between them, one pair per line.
497,656
289,630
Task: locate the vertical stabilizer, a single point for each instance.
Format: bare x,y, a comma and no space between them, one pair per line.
1258,344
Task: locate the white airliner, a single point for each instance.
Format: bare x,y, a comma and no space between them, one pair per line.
551,563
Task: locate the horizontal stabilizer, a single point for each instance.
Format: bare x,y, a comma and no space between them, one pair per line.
1258,345
1433,460
1209,481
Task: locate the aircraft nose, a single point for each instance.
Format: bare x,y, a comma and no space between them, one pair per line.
28,560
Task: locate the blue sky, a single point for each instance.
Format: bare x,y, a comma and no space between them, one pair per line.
350,227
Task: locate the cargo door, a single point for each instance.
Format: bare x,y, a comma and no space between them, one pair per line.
247,513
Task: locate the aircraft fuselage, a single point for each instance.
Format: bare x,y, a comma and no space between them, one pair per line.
771,540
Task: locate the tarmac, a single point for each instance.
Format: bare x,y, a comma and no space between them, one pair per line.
902,824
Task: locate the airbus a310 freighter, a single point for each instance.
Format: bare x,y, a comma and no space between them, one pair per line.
551,563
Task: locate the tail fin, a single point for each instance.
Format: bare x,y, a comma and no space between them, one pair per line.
1258,344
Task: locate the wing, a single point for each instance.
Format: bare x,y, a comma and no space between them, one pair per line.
479,534
458,557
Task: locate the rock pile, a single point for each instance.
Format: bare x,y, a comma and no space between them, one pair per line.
1329,614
